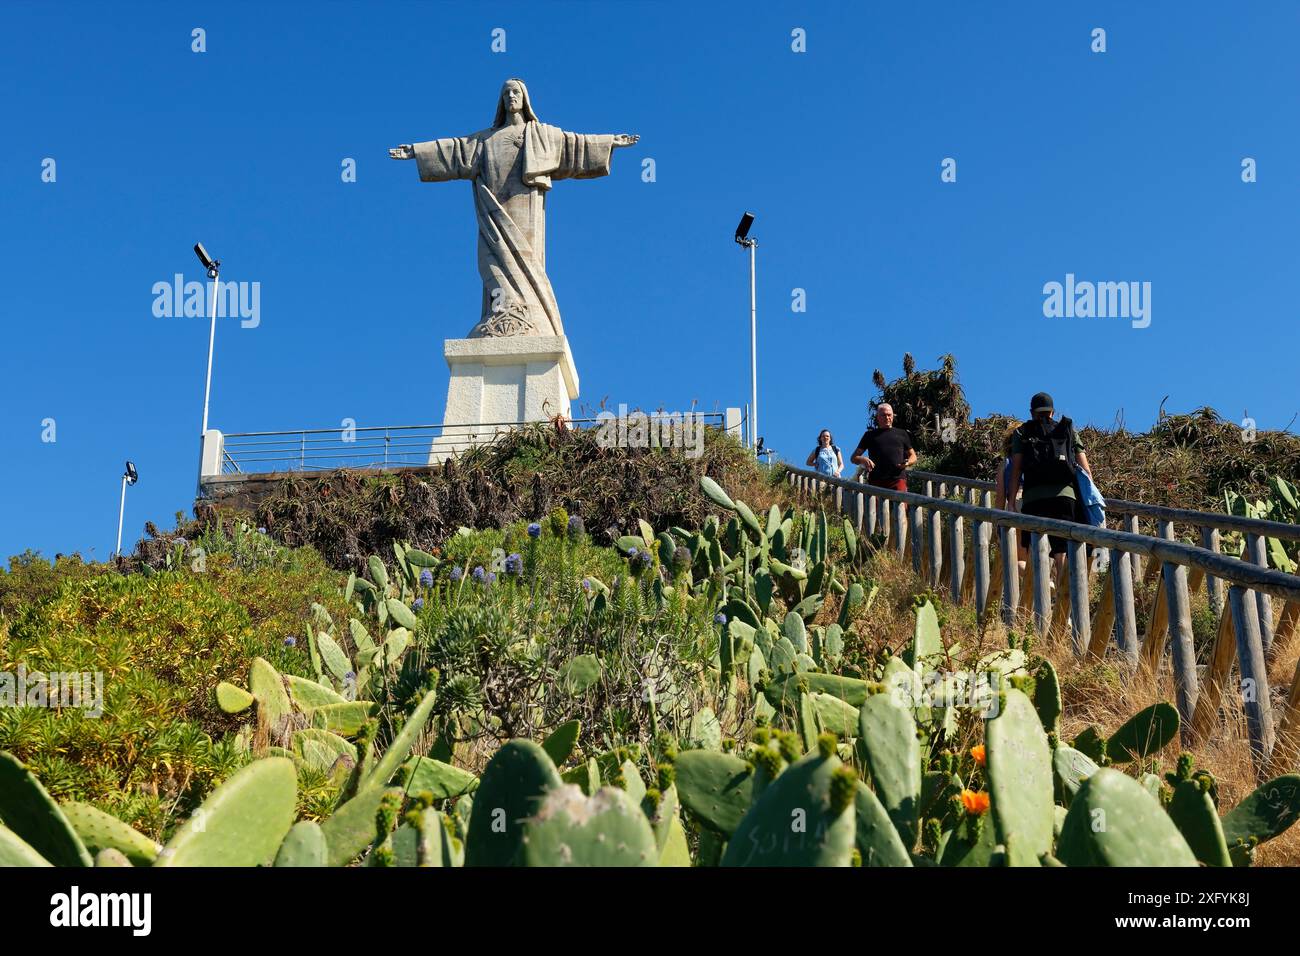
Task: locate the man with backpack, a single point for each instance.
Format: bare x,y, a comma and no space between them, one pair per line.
1046,453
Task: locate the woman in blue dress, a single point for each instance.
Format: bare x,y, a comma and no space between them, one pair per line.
826,456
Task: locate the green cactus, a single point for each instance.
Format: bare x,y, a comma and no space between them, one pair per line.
1145,733
1114,822
560,743
715,493
102,831
441,780
35,819
232,699
796,632
242,822
1019,771
1266,813
403,615
303,845
1092,745
1047,696
586,776
306,694
402,744
854,599
14,851
876,836
1194,814
511,789
804,818
888,748
927,643
783,692
716,788
836,716
1072,768
111,857
704,730
572,829
346,719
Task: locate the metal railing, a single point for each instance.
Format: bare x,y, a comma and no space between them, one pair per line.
913,525
397,446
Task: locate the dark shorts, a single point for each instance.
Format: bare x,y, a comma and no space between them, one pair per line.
898,484
1062,509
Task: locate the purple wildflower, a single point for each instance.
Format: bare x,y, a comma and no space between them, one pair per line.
457,573
291,641
586,585
479,574
426,578
419,603
720,618
514,564
534,530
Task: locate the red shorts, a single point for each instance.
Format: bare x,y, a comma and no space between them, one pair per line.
898,485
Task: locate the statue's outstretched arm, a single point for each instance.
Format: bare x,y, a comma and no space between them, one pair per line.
405,151
625,139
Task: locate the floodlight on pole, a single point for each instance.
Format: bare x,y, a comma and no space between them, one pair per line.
129,477
742,238
213,267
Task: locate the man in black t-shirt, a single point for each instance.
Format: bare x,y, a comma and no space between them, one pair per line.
888,452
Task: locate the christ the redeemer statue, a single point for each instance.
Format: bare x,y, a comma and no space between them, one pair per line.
512,165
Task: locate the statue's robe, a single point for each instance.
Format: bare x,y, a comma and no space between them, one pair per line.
512,168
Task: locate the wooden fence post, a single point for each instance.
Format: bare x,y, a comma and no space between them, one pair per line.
1256,550
1213,585
1039,546
957,549
871,513
1010,575
916,518
936,546
1254,678
900,527
1180,625
1080,614
1121,569
981,538
1134,559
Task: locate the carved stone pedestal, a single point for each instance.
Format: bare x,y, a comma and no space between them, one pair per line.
500,382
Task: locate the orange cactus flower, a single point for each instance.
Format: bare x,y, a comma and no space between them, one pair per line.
975,802
978,753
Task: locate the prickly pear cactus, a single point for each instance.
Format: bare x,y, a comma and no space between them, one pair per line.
33,816
875,835
716,788
303,845
888,746
102,831
804,818
1266,813
242,822
1194,814
1145,733
1114,822
512,788
572,829
14,851
1019,771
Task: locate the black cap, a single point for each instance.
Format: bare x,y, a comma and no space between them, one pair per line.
1042,402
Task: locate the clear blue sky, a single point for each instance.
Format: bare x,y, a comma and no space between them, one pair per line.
1115,166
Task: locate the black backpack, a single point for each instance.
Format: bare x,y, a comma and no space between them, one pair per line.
1048,456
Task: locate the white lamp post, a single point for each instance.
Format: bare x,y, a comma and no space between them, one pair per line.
742,237
129,477
214,273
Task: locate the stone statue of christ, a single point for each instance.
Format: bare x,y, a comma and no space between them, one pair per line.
512,165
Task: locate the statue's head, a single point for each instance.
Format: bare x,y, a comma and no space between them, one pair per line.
513,99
